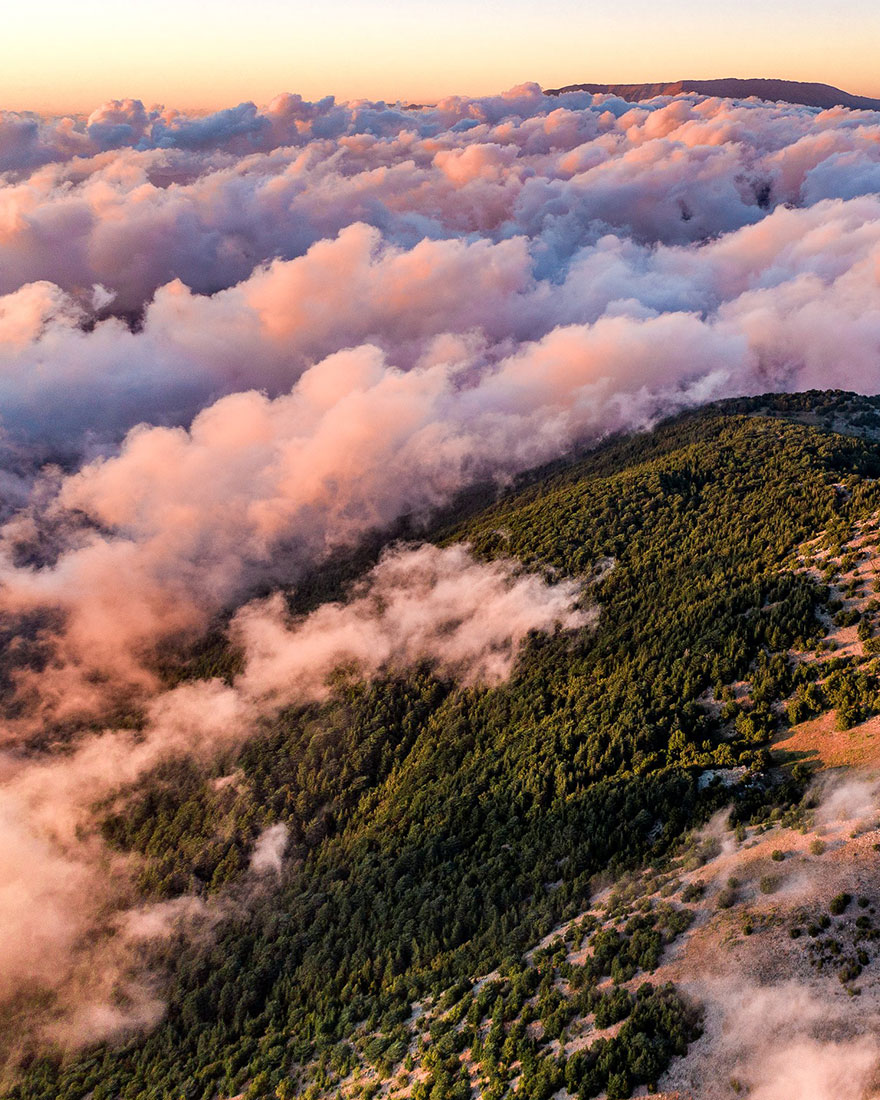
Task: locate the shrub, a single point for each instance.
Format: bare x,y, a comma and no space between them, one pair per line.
839,904
693,891
777,856
726,898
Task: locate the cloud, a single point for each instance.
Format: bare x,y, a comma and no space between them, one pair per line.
451,388
818,1071
785,1041
776,1024
783,289
132,199
186,522
269,850
466,618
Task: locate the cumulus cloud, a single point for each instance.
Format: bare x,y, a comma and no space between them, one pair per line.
131,199
779,293
184,521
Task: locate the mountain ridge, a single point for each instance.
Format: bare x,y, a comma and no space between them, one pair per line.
437,831
804,93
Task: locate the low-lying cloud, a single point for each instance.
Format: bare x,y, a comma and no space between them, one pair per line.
788,1041
71,926
777,1026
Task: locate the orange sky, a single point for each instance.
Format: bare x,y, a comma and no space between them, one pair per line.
188,53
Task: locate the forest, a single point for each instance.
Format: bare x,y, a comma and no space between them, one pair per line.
439,832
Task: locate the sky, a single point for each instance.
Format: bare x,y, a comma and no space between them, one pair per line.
194,54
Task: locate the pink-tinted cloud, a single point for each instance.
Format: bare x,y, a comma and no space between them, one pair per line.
133,199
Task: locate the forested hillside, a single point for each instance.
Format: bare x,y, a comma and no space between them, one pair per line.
438,832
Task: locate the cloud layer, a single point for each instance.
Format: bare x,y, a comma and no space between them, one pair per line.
151,262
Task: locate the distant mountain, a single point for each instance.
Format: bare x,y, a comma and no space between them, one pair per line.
790,91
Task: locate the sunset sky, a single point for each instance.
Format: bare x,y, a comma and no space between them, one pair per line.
61,56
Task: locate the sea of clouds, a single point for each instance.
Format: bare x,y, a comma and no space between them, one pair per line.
231,345
262,329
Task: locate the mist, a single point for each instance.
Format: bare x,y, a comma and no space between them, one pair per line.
73,928
776,1026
